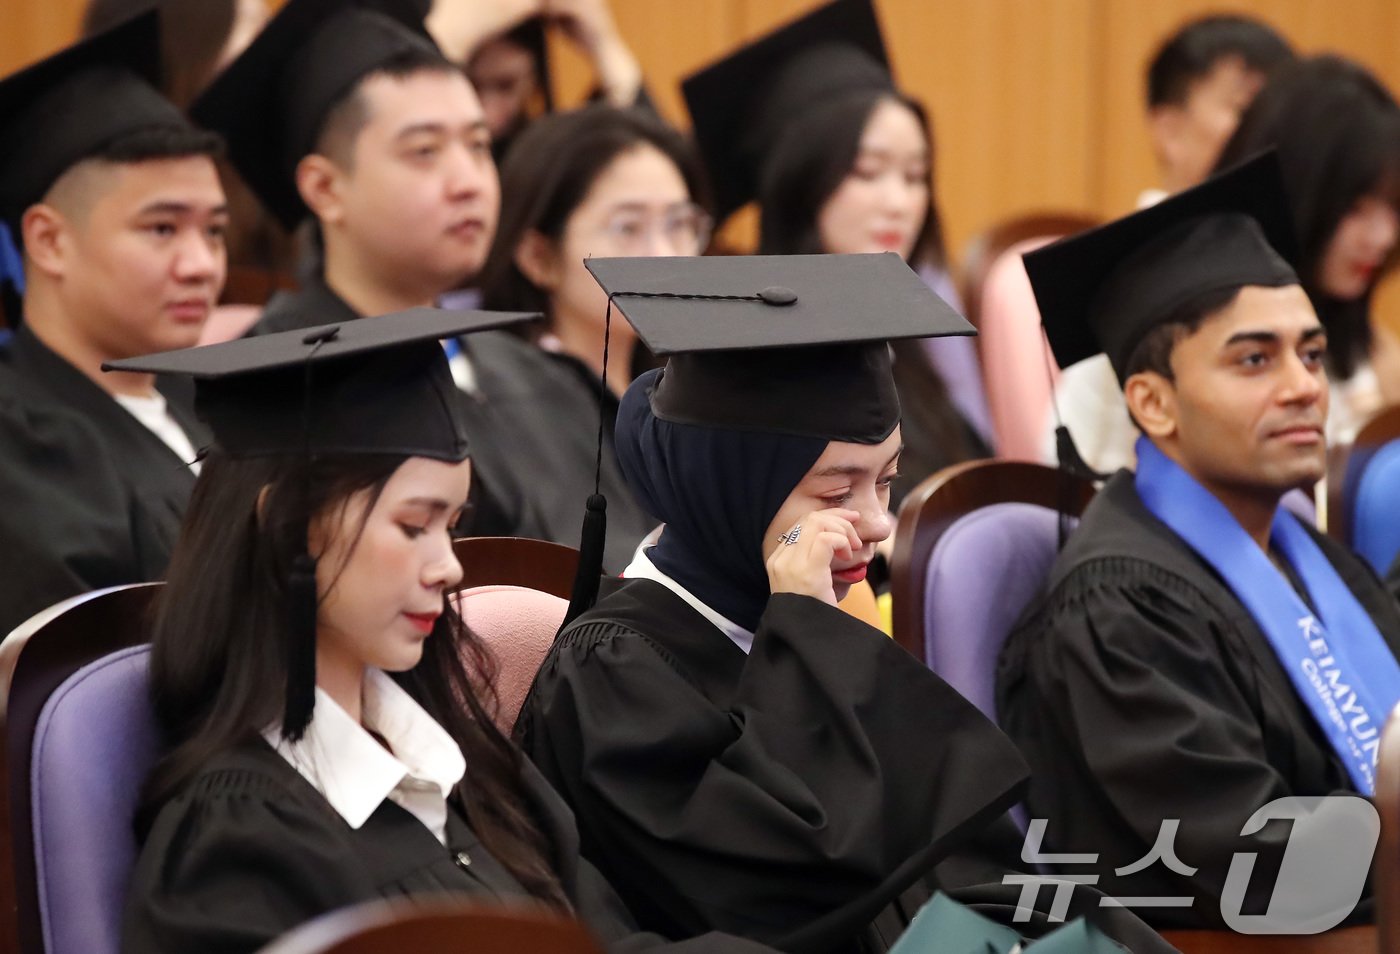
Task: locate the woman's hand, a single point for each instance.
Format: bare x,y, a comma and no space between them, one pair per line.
804,566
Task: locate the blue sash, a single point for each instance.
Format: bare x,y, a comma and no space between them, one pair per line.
11,262
1339,664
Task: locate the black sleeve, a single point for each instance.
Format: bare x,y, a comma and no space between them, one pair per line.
66,526
1392,579
840,763
227,874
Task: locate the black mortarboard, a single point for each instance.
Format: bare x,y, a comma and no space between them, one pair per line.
376,386
791,344
68,107
271,102
779,344
740,106
1104,290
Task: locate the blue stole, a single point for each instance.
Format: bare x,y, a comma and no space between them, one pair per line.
1339,664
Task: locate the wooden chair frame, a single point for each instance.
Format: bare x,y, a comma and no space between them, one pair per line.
443,927
933,506
517,561
983,250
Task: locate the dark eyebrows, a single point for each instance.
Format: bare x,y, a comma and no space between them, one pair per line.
432,504
436,129
1272,337
853,470
177,208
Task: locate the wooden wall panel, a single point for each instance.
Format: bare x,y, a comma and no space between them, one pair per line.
32,29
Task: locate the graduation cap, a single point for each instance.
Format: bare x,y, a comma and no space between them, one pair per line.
1104,290
68,107
373,386
740,106
271,102
778,344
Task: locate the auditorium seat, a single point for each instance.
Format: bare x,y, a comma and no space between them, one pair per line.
943,499
442,927
1017,366
64,861
518,625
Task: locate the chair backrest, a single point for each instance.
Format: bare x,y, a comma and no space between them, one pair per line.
933,506
517,561
1374,510
983,572
1015,355
442,927
94,745
35,660
1346,466
518,625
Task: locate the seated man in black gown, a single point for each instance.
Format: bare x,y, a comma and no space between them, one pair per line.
349,115
1199,652
114,200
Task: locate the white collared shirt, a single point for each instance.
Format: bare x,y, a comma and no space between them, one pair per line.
356,774
641,568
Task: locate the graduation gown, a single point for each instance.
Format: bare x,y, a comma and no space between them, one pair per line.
533,424
92,497
1392,578
788,795
1140,689
251,850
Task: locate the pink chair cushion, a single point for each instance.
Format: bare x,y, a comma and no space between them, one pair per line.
1015,356
518,626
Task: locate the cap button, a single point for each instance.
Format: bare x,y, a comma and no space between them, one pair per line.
777,295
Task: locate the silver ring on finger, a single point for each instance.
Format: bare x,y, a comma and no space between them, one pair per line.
791,536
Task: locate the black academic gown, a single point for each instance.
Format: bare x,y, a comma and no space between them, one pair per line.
1140,689
92,498
554,422
251,850
789,795
1392,578
533,424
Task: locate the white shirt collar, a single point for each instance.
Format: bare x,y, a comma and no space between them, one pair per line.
641,568
356,774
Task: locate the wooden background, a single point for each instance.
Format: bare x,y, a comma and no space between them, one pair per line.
1037,104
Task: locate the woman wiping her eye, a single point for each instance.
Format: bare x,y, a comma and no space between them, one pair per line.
739,752
327,714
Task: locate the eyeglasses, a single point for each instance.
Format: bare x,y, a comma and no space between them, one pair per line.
681,229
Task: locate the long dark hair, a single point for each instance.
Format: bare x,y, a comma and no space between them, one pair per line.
1337,131
222,624
809,162
546,176
807,165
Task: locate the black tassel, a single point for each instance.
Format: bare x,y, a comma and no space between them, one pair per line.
590,558
1069,458
301,648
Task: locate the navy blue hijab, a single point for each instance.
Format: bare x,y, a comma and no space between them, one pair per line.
717,491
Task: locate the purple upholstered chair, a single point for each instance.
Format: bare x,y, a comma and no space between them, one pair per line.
983,572
67,762
95,741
